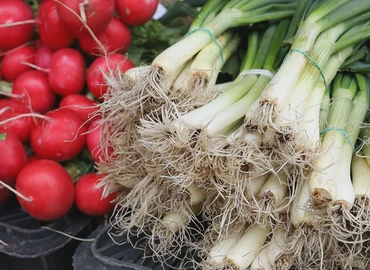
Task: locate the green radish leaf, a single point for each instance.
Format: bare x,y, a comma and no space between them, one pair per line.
152,38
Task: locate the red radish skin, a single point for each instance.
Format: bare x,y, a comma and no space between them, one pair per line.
13,63
89,198
43,57
49,188
12,12
136,12
32,89
51,29
13,157
67,72
97,14
81,104
4,195
94,77
21,126
115,37
60,137
92,141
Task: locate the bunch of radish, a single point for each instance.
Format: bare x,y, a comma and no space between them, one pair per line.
52,63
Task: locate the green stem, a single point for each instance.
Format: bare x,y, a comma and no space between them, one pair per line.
76,169
357,37
267,53
344,12
6,87
210,9
251,51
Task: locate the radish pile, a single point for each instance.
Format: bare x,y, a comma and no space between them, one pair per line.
53,55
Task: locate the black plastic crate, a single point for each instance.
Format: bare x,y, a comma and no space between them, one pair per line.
28,246
104,254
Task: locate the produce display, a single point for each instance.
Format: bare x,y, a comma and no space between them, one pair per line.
229,134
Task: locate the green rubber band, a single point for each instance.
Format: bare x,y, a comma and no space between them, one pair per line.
316,65
341,131
359,147
87,167
213,38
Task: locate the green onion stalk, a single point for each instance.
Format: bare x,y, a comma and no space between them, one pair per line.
119,134
237,251
307,242
225,205
119,125
284,100
296,138
185,136
195,84
119,122
155,84
351,226
160,197
330,182
347,227
188,167
322,220
239,174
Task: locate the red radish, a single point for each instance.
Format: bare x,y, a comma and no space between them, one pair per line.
12,64
67,72
43,57
19,126
47,189
92,141
60,137
32,88
94,77
13,157
4,194
136,12
21,22
81,104
89,199
95,13
115,37
51,29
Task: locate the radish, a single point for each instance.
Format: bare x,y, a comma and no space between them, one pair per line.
13,157
4,195
21,20
89,198
50,26
115,37
60,136
92,142
94,77
96,14
43,56
12,64
136,12
19,126
81,104
32,88
47,190
67,72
